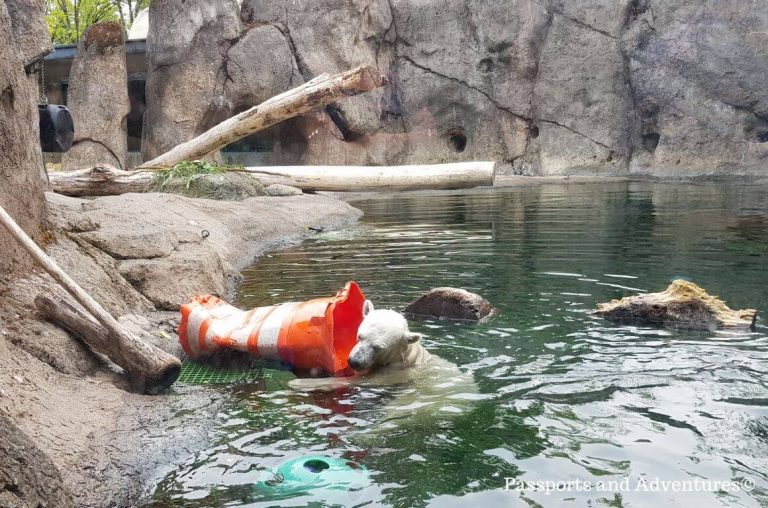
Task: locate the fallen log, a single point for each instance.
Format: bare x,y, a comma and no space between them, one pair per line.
101,180
317,93
105,180
149,368
456,175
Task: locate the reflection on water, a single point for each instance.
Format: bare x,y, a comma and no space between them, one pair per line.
562,395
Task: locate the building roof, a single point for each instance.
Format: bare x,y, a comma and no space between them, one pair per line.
140,27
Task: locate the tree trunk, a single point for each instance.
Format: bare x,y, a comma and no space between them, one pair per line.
149,368
102,180
456,175
317,93
105,180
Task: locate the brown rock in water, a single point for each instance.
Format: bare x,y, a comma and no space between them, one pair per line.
98,99
682,305
452,303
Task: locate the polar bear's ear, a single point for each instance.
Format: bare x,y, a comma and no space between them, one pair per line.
367,308
413,337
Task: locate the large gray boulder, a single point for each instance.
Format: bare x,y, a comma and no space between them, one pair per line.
250,77
30,30
186,70
98,99
697,70
21,162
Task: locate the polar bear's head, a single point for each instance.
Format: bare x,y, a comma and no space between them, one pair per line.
383,338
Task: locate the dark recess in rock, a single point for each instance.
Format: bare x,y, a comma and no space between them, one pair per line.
651,141
457,140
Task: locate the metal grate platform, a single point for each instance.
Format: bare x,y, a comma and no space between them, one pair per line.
196,373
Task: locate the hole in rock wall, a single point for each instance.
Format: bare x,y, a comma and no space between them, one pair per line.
485,65
534,131
457,140
635,9
651,141
756,129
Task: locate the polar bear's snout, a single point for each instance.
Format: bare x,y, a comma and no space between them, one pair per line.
382,338
362,356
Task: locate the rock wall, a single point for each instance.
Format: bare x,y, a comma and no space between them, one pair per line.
21,163
30,29
28,478
545,87
98,99
186,69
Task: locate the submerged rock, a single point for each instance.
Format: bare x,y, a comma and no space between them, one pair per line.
682,305
452,303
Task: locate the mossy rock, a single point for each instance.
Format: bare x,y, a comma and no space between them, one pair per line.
229,186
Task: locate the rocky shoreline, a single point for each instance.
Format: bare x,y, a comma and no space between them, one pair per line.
138,255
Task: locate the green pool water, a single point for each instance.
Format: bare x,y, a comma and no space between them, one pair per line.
561,396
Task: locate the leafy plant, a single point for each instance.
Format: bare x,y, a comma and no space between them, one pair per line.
68,19
187,170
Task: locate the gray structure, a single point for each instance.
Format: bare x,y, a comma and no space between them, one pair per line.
58,65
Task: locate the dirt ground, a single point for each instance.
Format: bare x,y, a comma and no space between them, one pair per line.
79,437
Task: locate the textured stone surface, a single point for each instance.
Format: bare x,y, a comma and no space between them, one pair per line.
544,87
22,486
98,99
279,189
186,69
21,162
451,303
171,247
696,69
30,29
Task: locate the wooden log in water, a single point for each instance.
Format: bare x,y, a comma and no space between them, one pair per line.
149,368
317,93
457,175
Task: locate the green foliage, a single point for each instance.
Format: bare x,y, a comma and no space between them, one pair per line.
186,170
68,19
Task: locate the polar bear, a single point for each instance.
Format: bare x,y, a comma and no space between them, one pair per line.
389,354
385,341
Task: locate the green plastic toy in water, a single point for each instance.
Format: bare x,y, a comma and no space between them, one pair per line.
313,474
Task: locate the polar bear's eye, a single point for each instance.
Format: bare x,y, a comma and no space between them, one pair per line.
376,347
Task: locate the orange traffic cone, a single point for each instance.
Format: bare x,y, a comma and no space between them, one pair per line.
318,334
